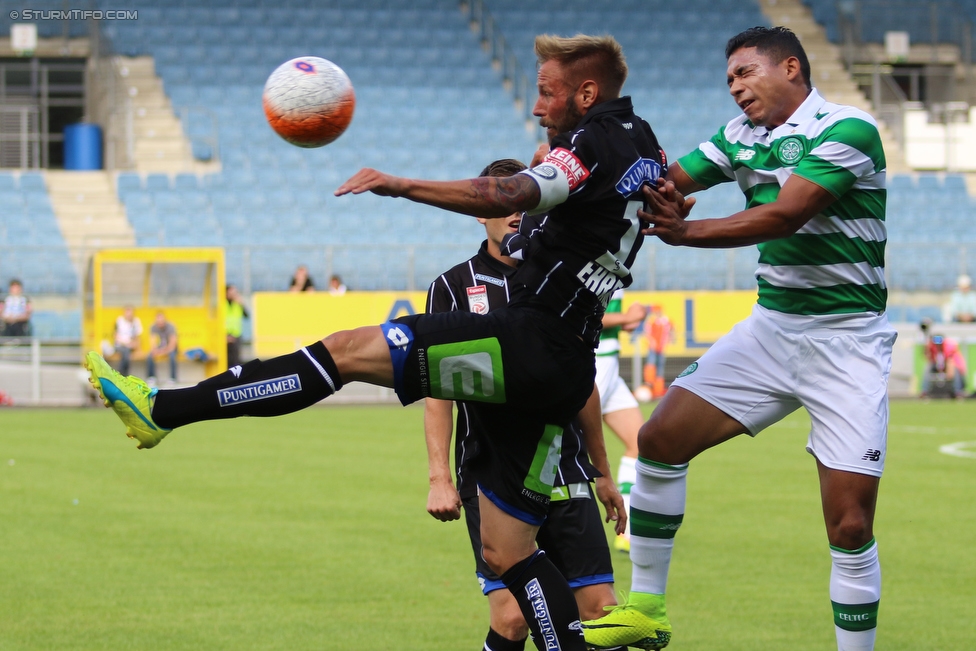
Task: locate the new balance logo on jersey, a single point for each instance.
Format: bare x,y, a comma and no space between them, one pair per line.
745,154
872,455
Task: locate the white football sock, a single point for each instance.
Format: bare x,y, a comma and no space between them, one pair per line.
626,478
657,506
855,590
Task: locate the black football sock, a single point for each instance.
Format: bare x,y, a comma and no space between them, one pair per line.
273,387
547,603
496,642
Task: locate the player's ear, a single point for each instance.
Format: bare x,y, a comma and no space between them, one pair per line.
792,66
587,94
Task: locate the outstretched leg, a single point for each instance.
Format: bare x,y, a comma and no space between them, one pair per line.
272,387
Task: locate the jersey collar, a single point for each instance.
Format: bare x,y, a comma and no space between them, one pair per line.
497,266
619,105
805,112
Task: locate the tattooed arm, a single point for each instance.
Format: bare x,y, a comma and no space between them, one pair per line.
481,197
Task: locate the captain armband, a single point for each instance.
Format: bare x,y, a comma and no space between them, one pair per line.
559,173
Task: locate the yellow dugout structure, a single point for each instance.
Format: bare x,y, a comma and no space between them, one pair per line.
187,284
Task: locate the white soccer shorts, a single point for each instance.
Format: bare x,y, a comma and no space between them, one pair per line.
771,364
614,394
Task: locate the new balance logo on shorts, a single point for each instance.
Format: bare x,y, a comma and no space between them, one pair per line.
872,455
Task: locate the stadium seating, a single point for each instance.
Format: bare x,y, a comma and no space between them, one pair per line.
870,19
421,79
31,245
429,103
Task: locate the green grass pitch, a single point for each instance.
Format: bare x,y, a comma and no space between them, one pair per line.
310,532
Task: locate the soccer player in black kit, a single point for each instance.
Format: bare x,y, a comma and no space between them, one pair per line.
534,358
572,534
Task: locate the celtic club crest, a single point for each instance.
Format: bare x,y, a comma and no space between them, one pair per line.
790,151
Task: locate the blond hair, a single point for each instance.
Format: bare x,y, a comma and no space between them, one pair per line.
599,58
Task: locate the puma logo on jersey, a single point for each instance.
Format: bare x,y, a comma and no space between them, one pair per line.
643,170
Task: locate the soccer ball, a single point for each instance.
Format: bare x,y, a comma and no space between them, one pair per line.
309,101
643,393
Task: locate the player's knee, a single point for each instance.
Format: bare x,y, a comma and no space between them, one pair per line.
497,559
853,531
653,441
509,623
592,599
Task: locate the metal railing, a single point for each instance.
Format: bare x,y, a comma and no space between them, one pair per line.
41,371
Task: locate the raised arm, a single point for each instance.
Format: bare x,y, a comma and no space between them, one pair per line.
666,209
479,197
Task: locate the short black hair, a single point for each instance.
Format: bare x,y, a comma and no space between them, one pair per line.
777,43
503,167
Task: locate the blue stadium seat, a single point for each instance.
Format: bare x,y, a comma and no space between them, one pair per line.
32,182
128,182
155,182
186,182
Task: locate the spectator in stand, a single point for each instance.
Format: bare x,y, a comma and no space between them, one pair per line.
164,344
234,320
301,281
336,288
16,312
962,303
128,329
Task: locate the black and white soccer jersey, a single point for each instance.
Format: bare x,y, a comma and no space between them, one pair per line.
479,285
592,234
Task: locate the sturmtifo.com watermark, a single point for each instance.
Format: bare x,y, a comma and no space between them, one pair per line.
74,14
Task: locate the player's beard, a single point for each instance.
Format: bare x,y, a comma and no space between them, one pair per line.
570,119
573,117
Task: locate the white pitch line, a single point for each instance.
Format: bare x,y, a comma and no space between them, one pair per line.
961,449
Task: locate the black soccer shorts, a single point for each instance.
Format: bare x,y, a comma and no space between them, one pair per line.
572,537
524,374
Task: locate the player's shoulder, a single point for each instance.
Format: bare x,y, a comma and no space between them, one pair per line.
832,113
737,129
458,273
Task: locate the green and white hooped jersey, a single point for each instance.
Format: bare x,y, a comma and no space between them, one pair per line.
835,263
610,337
